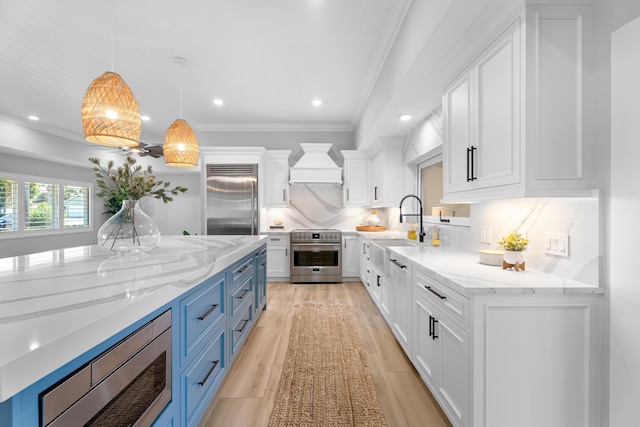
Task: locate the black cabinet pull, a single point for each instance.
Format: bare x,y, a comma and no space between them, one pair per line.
375,193
397,263
434,292
244,325
430,326
209,372
473,163
244,292
243,269
468,164
434,336
378,280
208,312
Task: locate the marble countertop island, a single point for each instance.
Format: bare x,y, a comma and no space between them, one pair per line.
56,305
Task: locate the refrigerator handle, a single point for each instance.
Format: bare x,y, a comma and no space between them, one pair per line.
253,208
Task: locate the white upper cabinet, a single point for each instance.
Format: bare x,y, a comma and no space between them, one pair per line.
355,179
276,176
511,136
386,177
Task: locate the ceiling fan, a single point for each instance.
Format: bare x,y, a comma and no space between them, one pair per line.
143,150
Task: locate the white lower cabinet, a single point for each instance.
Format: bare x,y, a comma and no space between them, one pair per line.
441,351
503,360
350,256
278,256
492,358
401,296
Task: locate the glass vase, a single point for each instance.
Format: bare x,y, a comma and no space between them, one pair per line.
130,230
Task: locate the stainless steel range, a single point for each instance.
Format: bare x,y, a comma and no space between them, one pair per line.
316,256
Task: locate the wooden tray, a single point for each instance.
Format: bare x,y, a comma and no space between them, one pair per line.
371,228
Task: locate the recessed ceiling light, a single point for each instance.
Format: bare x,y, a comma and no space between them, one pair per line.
145,118
34,118
219,102
316,102
405,117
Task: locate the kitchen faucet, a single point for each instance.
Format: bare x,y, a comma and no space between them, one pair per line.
421,234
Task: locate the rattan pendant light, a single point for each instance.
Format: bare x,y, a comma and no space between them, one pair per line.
110,112
180,147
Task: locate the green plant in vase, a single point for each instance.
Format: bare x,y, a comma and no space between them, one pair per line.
121,187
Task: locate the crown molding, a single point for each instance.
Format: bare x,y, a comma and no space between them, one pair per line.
259,127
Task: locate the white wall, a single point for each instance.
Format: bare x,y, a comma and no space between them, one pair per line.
625,208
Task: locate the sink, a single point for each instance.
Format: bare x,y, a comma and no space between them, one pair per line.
393,242
379,255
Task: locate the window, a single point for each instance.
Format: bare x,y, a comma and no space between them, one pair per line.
32,206
430,177
8,205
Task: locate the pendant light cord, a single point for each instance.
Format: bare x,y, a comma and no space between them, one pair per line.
113,24
181,65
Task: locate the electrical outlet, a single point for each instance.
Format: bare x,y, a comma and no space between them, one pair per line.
485,235
556,244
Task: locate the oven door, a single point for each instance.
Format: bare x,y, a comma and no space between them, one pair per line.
316,262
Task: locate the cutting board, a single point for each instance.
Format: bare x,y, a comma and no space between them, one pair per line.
371,228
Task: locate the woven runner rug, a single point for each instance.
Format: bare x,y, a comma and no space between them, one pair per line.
326,380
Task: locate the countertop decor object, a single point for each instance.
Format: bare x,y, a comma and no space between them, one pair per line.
514,243
373,219
130,229
490,257
371,228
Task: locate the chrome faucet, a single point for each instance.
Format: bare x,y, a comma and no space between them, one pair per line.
421,234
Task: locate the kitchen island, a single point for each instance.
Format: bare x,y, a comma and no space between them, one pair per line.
60,308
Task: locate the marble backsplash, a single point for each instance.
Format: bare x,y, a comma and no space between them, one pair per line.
577,217
321,206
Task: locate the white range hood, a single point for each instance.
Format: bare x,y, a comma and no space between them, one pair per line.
315,166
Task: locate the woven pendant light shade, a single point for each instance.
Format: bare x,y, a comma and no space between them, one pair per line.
110,113
180,147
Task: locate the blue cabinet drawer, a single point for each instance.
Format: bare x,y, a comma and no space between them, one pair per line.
241,271
203,376
240,294
200,311
240,327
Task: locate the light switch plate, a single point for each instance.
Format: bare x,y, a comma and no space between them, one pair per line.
556,244
485,235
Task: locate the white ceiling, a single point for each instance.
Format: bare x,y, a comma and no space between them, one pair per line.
267,59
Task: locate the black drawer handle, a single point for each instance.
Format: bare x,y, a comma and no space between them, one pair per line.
397,263
244,325
263,252
244,292
209,372
263,264
208,312
378,279
434,292
243,269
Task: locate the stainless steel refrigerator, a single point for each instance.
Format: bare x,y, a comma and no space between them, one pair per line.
232,199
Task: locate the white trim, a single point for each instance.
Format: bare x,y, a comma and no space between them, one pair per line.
60,228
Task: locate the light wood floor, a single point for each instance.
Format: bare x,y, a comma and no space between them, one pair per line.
248,392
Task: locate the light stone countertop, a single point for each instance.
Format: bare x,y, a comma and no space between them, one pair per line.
462,272
56,305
